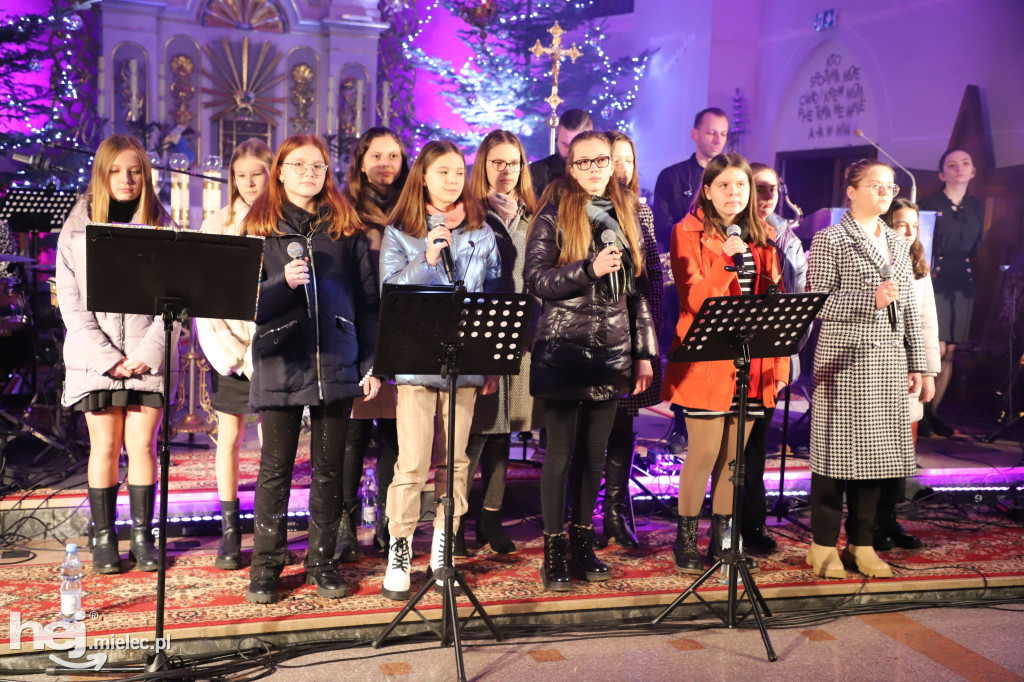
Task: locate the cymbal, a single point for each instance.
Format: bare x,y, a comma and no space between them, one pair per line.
14,258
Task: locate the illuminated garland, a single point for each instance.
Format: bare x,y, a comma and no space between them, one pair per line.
31,44
501,85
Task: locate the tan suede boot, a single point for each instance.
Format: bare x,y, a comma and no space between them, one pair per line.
825,562
862,558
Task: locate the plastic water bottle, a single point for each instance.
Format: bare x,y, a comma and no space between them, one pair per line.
368,493
71,585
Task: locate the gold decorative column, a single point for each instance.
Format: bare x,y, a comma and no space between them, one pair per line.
179,190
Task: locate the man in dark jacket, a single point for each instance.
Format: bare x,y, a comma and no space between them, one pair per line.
673,193
551,168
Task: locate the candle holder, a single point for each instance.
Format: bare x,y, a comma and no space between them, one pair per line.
154,172
212,199
179,190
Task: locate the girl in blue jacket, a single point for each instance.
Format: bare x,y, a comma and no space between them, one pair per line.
411,254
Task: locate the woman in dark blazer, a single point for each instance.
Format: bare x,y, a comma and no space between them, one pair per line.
865,368
316,327
592,347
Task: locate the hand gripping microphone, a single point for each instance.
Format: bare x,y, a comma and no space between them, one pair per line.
447,262
614,278
295,251
735,231
887,271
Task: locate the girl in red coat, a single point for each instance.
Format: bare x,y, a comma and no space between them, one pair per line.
701,251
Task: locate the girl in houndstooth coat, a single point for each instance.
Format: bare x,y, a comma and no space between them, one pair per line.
864,371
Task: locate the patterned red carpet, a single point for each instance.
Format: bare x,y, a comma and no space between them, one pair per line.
204,601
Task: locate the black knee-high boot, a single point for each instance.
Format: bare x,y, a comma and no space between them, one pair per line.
103,507
141,499
229,551
618,515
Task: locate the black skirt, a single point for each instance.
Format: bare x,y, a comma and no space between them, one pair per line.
97,401
230,393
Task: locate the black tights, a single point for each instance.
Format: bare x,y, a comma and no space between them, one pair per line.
595,424
827,509
281,427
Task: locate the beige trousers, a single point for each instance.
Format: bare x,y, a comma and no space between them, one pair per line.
417,407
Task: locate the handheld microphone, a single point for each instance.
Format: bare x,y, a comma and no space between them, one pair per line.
614,279
295,251
887,271
913,182
735,231
447,262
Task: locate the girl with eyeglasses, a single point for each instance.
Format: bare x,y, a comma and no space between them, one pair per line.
707,390
594,343
867,363
502,185
411,254
376,177
904,218
227,345
959,229
316,328
114,362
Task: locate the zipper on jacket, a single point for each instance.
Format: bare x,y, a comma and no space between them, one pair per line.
277,329
124,350
316,315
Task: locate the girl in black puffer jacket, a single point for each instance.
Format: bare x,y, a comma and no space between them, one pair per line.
316,327
592,347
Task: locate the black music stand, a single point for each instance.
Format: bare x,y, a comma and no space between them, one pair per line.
171,274
456,333
34,211
740,328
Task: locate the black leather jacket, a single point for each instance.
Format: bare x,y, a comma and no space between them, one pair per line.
586,341
309,360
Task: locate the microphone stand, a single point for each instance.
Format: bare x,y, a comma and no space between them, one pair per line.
167,169
913,181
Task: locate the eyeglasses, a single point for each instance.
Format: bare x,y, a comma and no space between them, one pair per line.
500,165
301,167
600,162
881,189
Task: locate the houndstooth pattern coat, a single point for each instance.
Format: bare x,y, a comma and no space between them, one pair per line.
860,422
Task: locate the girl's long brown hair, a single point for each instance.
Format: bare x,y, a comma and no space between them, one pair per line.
410,213
574,229
356,181
917,258
98,192
257,149
266,211
478,187
712,221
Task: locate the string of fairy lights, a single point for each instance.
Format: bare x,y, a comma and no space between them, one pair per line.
39,109
496,82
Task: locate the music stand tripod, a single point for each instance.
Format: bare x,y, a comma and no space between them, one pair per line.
170,274
741,328
457,333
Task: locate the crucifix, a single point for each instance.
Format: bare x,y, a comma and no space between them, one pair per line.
557,54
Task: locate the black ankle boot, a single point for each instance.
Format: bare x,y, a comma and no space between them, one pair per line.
348,540
229,551
140,505
554,573
719,524
684,551
939,427
489,531
103,506
618,517
459,548
583,563
887,526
